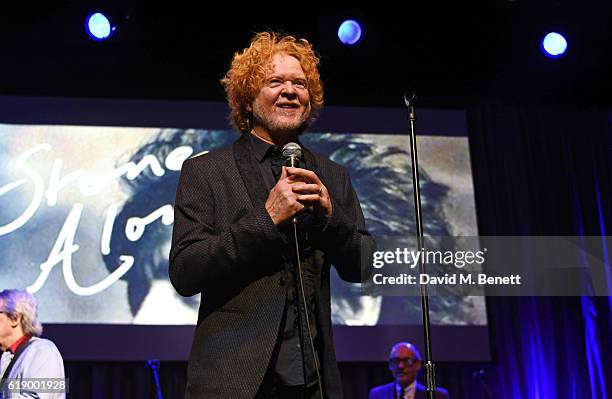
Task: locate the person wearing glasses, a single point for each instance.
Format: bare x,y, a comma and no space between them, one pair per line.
404,364
233,237
30,367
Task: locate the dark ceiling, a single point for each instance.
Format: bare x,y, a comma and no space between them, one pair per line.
451,54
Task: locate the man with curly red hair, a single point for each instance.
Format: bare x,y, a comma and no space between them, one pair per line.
264,326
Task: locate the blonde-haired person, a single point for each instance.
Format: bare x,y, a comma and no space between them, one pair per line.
24,354
233,237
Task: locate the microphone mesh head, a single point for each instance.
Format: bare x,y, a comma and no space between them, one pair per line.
292,150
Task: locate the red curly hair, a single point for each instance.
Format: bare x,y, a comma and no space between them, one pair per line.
248,70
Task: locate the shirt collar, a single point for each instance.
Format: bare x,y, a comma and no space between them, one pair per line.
261,149
13,348
411,388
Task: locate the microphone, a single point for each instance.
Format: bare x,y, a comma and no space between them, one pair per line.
292,152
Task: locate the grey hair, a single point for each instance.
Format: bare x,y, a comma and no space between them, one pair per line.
410,346
21,302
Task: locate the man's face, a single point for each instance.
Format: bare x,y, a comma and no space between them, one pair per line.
283,103
404,364
7,328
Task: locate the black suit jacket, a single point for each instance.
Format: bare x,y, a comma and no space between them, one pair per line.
225,246
388,392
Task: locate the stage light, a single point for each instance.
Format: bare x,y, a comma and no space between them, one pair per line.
349,32
98,27
554,45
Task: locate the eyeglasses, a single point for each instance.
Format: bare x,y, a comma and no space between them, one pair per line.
297,83
408,361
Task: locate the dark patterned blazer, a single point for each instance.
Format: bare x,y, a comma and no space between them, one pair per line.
388,391
225,246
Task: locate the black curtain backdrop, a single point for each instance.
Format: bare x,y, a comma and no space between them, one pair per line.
538,170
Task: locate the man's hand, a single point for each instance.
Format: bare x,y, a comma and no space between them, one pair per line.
282,203
311,192
298,189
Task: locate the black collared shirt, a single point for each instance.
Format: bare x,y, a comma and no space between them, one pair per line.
294,362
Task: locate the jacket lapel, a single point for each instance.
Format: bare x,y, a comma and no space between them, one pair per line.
249,171
311,161
420,392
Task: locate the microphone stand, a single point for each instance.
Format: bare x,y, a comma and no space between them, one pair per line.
292,161
154,366
430,374
480,375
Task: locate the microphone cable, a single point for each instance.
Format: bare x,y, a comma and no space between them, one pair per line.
292,160
301,286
